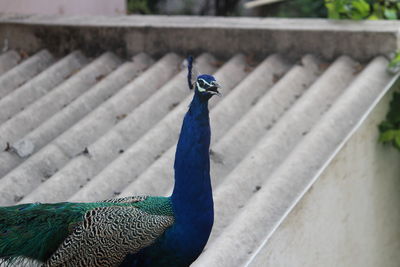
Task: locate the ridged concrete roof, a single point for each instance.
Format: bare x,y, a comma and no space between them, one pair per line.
85,129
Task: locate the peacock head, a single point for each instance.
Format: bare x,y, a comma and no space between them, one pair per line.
207,85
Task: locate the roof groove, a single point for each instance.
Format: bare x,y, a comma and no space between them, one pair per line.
44,81
8,60
56,99
43,108
278,142
250,128
96,125
84,104
24,71
110,112
40,85
157,140
20,181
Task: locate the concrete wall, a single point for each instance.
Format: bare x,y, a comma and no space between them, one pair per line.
64,7
222,37
351,215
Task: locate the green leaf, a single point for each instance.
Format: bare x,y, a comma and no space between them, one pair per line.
332,7
388,136
341,9
394,64
138,6
373,17
332,14
385,126
390,13
341,5
378,11
390,128
361,7
397,141
393,115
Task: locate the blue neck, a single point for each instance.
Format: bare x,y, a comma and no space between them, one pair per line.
192,196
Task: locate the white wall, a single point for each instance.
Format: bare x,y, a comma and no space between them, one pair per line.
64,7
351,215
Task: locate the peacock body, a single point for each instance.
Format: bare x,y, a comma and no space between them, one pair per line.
132,231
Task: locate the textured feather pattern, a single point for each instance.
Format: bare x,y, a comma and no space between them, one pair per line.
35,231
82,234
131,199
109,233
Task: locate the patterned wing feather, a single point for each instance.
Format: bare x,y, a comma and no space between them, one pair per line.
107,235
131,199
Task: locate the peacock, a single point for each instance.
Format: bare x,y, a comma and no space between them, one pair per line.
130,231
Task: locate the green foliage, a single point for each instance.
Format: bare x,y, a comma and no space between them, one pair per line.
394,64
142,6
347,9
367,9
390,128
363,9
138,7
301,9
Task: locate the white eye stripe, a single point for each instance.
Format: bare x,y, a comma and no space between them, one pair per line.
209,84
204,82
200,88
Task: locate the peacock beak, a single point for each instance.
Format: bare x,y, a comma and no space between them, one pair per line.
214,89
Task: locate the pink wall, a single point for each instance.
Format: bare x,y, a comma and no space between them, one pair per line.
64,7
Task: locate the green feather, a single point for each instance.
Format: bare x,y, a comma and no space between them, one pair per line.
35,231
156,206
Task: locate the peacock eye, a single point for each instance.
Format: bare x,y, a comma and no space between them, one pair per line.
201,83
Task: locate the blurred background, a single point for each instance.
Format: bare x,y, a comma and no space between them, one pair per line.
277,8
334,9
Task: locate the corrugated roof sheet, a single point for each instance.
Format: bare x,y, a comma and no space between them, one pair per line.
82,129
